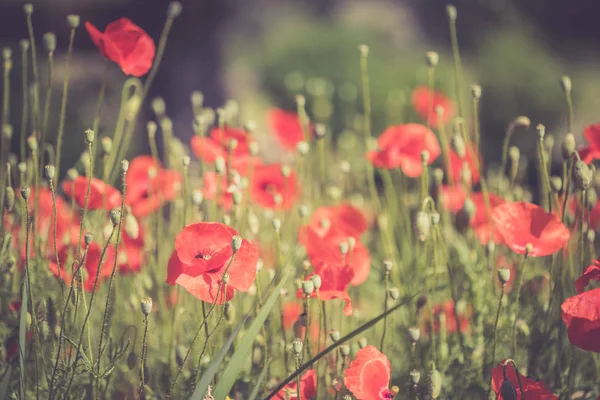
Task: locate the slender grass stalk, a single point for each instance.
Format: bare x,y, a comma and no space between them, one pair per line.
36,76
48,99
451,10
90,171
63,106
517,122
521,272
385,308
144,353
25,94
543,167
100,101
495,330
566,86
25,299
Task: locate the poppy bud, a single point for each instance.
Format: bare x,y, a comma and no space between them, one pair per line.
302,148
159,106
115,216
591,198
476,91
50,42
124,165
24,45
335,335
415,333
197,197
253,148
297,346
28,8
423,225
541,130
465,174
347,397
236,243
435,383
425,156
9,198
508,391
308,287
316,280
503,275
32,143
72,174
364,50
432,58
320,131
303,211
73,20
565,83
435,218
451,11
85,158
459,146
514,153
394,293
344,247
174,9
225,278
7,131
387,265
568,146
276,225
362,342
345,350
6,53
556,184
220,166
549,142
438,176
25,192
415,376
88,238
197,99
90,135
22,167
146,304
286,171
582,175
591,236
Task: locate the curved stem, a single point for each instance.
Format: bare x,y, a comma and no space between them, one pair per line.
521,272
63,107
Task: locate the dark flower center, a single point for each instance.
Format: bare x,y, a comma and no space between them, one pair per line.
204,256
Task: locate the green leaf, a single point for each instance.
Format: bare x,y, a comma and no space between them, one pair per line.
4,383
210,372
236,363
261,378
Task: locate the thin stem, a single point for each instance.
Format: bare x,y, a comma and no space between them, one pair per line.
495,331
36,76
457,64
25,94
385,308
63,107
143,359
544,169
521,272
48,99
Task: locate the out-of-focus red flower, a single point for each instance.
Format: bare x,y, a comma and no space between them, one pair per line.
400,146
270,189
291,312
521,223
421,99
209,189
94,264
131,249
532,389
326,250
208,149
99,190
344,217
368,375
453,197
308,388
592,151
126,44
457,163
334,284
592,273
452,326
149,186
286,127
203,253
581,315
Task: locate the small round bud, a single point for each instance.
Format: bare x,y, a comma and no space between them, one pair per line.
197,99
132,227
415,376
220,166
90,135
174,9
541,130
72,174
582,175
25,192
276,224
432,58
320,131
459,146
568,146
415,333
24,45
316,280
22,166
197,197
124,166
286,171
521,121
425,157
345,350
308,287
476,91
344,247
387,265
253,148
146,304
591,236
185,161
73,21
303,211
151,127
565,84
364,50
297,346
303,148
225,278
334,335
514,153
362,342
232,144
503,275
115,217
451,11
32,143
159,106
435,383
28,8
394,293
6,53
236,243
422,225
50,42
9,198
438,176
528,248
88,238
351,243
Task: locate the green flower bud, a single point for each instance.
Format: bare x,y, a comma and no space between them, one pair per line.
297,346
334,335
503,275
435,383
50,171
423,225
25,192
345,350
565,84
115,216
174,9
124,166
73,21
316,280
568,146
432,58
476,91
415,333
415,376
9,198
451,11
459,146
582,175
146,304
28,8
308,287
50,42
236,243
88,238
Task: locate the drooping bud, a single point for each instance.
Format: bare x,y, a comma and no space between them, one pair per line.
423,225
88,238
146,304
568,146
582,175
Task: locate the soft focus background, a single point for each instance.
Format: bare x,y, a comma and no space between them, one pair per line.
264,52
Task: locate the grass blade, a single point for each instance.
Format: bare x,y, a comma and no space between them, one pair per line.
210,372
5,383
236,363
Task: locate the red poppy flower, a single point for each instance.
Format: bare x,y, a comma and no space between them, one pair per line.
270,189
457,163
453,197
368,375
126,44
90,268
334,284
532,389
592,273
581,315
521,223
592,151
203,253
99,190
326,250
286,127
421,100
209,189
344,217
402,145
452,326
147,192
308,388
208,149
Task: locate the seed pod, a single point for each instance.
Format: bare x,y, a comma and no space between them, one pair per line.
50,42
25,192
88,238
415,376
50,171
236,242
394,293
556,184
345,350
146,304
73,20
90,135
476,91
308,287
124,166
316,279
297,346
503,275
115,216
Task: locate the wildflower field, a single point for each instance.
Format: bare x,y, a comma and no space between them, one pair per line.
327,265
